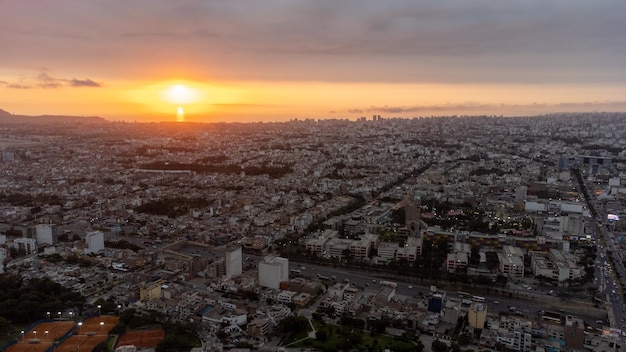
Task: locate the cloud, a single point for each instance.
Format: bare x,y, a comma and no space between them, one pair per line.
355,111
47,81
18,86
353,40
84,83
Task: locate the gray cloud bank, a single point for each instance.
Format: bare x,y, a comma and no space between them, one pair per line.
532,41
44,80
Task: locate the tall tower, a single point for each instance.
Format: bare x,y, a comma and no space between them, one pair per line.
94,241
412,215
233,262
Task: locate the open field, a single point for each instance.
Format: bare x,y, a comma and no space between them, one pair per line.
142,338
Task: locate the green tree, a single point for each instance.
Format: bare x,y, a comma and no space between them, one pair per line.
438,346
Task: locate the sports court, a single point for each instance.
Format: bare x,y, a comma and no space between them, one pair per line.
142,338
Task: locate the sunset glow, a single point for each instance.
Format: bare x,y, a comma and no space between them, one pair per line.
180,94
273,62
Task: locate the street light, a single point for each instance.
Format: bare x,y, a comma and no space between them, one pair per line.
46,332
72,316
22,332
99,309
48,314
59,315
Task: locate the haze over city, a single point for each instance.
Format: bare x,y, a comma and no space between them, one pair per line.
206,61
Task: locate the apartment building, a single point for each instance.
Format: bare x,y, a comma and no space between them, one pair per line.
511,262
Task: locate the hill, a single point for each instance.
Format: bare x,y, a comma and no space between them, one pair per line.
8,118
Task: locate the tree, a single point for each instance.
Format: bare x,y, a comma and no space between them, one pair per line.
5,326
321,335
438,346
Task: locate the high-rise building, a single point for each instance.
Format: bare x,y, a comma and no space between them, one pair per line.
435,302
574,333
412,215
476,315
233,262
46,234
521,193
94,242
273,271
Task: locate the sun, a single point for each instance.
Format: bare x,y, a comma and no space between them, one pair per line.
181,94
180,114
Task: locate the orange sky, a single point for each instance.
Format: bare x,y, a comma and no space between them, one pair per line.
277,60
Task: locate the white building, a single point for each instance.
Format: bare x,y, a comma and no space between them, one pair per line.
28,245
94,241
557,265
233,263
511,262
46,234
273,271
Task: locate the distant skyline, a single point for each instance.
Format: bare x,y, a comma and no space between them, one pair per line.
272,60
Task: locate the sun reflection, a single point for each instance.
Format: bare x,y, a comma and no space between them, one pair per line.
180,114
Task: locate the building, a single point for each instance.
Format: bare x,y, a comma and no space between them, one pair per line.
574,333
94,242
458,260
337,248
273,271
259,327
233,262
151,289
360,249
477,315
435,302
26,245
511,262
412,215
556,265
46,234
412,248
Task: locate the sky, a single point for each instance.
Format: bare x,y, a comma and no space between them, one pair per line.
273,60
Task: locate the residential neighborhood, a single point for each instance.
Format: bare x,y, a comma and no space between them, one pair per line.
464,233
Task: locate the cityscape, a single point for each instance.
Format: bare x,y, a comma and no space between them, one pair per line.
478,233
354,175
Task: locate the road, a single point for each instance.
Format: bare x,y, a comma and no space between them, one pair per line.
610,273
531,308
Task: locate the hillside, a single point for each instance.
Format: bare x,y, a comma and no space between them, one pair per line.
8,118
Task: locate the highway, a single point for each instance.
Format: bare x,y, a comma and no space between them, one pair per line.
610,273
528,307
